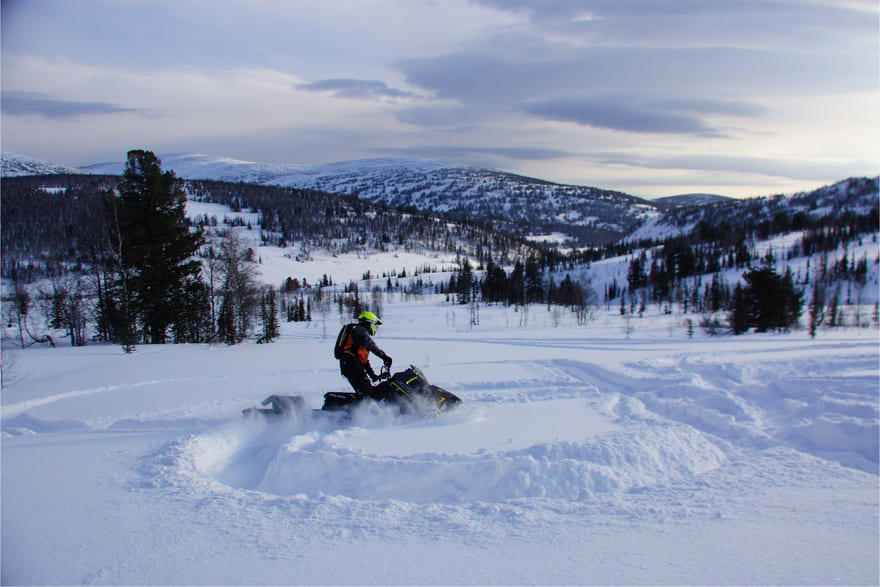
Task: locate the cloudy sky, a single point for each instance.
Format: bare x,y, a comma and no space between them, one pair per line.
651,97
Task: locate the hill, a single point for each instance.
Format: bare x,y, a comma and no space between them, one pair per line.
514,203
553,214
14,165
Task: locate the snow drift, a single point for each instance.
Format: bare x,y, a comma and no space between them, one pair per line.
581,455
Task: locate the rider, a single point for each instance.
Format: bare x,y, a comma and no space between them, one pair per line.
355,347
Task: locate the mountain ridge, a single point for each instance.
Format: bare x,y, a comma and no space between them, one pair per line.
575,216
588,216
16,165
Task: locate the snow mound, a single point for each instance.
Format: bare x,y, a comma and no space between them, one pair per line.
557,449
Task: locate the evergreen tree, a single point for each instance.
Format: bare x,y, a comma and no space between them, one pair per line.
465,282
516,284
717,293
769,301
194,323
495,286
157,247
738,318
534,281
269,317
637,276
817,307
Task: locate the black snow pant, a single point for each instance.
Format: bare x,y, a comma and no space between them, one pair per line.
357,376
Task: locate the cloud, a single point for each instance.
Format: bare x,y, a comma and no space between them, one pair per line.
19,103
355,88
616,114
534,87
709,106
794,24
776,166
546,71
633,113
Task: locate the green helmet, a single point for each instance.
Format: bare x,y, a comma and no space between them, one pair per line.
369,320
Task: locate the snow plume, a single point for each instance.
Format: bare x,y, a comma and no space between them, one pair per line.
385,455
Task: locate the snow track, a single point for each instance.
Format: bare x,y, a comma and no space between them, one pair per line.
479,455
577,457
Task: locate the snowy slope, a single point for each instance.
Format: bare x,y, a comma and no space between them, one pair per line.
546,211
199,166
580,456
510,201
623,452
14,165
835,201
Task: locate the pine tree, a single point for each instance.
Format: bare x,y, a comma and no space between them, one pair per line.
534,281
269,317
769,301
817,307
738,318
465,282
157,247
637,276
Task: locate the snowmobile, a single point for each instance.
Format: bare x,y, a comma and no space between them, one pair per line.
408,390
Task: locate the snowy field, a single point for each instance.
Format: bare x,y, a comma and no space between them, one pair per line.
580,455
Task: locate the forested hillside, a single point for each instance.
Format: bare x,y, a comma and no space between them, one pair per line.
587,216
56,223
61,243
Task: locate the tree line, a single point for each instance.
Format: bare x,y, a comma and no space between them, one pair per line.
118,256
125,259
121,255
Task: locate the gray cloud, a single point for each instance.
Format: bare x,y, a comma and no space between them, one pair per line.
666,72
18,103
636,89
441,116
744,23
355,88
617,114
818,170
634,113
709,106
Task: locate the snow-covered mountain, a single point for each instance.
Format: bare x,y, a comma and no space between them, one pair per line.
833,202
581,215
522,204
15,165
198,166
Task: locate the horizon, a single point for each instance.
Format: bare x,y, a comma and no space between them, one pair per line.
304,167
743,99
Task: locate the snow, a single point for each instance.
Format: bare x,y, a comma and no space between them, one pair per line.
201,166
425,184
277,264
14,165
621,452
593,454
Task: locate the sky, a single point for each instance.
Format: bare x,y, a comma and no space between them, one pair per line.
651,97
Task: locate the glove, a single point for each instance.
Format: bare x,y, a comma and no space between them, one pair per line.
374,377
387,360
